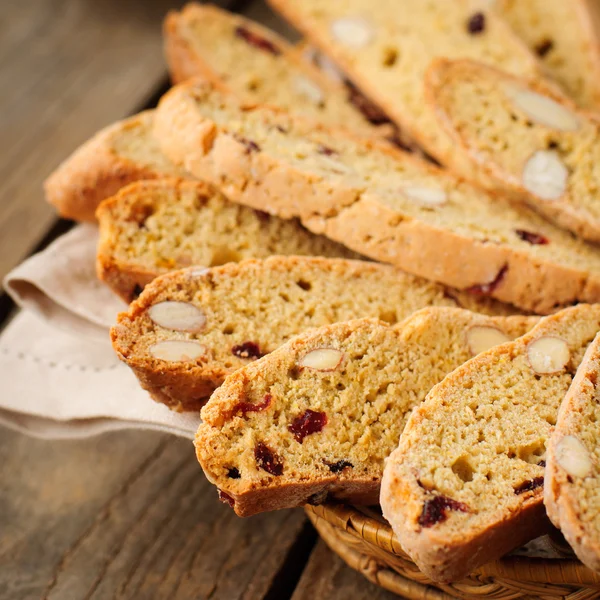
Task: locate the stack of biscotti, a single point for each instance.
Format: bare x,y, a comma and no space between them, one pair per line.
152,227
376,200
530,140
189,329
386,52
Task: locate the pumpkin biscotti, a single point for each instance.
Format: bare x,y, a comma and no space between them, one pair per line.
121,153
387,51
465,485
534,143
572,485
256,65
316,418
566,37
189,329
152,227
376,200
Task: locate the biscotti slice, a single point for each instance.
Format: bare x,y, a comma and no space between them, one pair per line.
257,65
378,201
530,140
318,417
465,485
152,227
566,37
386,51
572,479
123,152
189,329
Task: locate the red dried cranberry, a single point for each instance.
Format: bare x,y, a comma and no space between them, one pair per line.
485,289
267,460
256,40
370,111
250,145
529,486
326,150
309,422
247,350
435,510
233,473
476,23
246,407
226,498
339,466
533,238
544,47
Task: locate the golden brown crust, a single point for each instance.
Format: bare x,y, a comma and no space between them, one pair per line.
360,219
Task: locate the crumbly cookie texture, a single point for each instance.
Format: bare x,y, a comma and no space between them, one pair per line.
123,152
189,329
152,227
465,485
533,142
316,418
565,35
257,65
380,202
387,51
571,486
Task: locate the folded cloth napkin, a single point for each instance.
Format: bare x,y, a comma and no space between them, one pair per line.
61,376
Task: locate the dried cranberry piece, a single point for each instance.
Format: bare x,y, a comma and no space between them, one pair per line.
339,466
326,150
485,289
435,510
247,350
528,486
309,422
226,498
370,111
250,145
476,23
533,238
267,460
544,47
246,407
256,40
233,473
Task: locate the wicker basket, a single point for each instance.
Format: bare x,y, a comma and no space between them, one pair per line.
367,544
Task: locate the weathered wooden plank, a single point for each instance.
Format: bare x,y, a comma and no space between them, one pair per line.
327,577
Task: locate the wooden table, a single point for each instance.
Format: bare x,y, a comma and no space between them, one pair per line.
128,514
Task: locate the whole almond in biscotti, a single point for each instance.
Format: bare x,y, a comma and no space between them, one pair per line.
316,418
532,141
189,329
117,155
255,64
466,483
386,51
566,37
152,227
571,486
378,201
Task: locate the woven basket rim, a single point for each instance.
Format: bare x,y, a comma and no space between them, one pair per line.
530,575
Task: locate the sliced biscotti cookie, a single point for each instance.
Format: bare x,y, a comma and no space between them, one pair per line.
123,152
152,227
465,484
387,51
189,329
380,202
257,65
317,417
530,140
566,36
571,484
